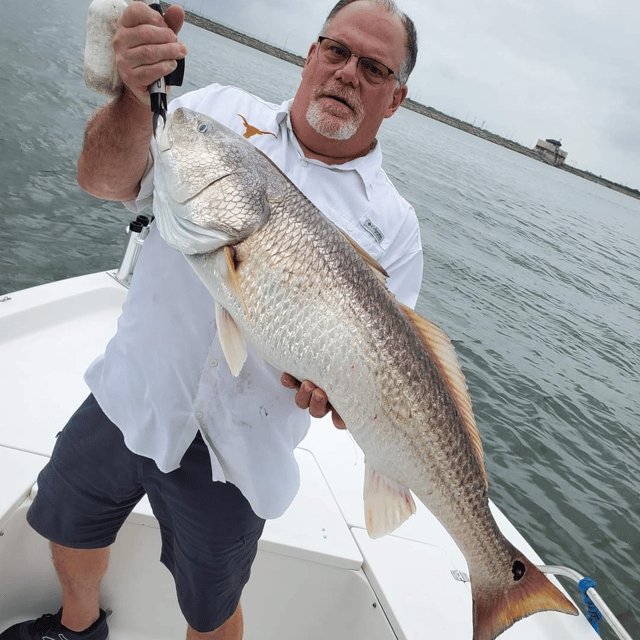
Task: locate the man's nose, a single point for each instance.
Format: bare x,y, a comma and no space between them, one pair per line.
349,72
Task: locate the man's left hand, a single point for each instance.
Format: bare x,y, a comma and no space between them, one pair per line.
309,396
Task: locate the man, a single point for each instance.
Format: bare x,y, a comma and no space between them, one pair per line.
166,417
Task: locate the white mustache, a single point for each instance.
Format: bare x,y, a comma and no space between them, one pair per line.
338,90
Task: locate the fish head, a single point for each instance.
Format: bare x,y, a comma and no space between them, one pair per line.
209,182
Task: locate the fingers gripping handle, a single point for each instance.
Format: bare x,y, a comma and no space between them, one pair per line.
101,73
175,78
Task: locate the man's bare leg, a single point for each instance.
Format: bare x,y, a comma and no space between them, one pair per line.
232,629
80,572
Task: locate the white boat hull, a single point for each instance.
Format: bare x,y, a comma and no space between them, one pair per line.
317,574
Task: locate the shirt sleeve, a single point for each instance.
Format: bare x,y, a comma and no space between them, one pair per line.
145,195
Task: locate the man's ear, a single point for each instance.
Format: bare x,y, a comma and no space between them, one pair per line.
312,48
399,96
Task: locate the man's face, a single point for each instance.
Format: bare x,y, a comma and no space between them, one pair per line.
335,102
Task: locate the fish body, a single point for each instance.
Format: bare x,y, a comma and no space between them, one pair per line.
293,286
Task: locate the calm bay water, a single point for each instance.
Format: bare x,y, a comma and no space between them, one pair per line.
531,271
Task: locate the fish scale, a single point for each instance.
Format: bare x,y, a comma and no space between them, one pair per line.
287,282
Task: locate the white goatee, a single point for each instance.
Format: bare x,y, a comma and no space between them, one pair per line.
331,126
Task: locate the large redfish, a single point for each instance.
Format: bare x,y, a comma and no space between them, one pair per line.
290,284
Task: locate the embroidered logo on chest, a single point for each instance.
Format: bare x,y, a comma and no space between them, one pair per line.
250,130
373,230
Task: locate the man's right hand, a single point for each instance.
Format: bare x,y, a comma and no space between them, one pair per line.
146,47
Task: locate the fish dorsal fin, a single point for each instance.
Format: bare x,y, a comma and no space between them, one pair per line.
232,341
369,260
445,358
387,503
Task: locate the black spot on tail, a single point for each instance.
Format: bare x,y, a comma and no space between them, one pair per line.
518,569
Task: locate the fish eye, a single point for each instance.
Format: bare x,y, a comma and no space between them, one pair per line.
203,127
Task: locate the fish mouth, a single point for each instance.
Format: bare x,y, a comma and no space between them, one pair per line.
183,198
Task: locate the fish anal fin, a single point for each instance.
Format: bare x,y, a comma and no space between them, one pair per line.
387,503
370,261
232,341
444,356
494,612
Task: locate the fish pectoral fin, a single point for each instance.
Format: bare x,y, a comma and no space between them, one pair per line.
233,344
387,503
231,278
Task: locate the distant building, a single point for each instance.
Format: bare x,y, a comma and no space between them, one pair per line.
549,150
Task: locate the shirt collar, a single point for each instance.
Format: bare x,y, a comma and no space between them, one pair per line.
367,167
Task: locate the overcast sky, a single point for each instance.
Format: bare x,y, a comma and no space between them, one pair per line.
524,69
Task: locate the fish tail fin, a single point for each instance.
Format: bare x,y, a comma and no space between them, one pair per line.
528,592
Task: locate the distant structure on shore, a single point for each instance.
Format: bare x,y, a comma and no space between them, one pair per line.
549,151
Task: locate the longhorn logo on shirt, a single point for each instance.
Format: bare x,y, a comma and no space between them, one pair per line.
250,130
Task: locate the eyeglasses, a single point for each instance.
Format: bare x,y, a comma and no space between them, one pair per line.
334,53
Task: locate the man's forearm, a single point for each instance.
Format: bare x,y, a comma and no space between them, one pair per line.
116,148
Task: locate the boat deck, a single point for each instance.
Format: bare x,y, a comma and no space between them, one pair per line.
317,574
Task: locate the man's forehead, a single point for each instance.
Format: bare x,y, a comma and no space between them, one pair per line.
370,17
371,25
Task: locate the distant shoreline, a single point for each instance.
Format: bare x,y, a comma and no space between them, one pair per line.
515,146
410,104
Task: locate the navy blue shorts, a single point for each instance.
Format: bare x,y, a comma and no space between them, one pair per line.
209,531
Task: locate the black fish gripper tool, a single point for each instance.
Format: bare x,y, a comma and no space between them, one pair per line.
158,90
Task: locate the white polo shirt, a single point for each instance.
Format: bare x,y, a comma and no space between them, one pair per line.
163,376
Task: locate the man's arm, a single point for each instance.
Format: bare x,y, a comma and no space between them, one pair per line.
116,144
115,150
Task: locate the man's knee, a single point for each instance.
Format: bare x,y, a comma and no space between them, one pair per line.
232,629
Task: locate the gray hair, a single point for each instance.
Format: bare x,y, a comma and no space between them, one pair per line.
412,37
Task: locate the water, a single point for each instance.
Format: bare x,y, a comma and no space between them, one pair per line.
533,273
